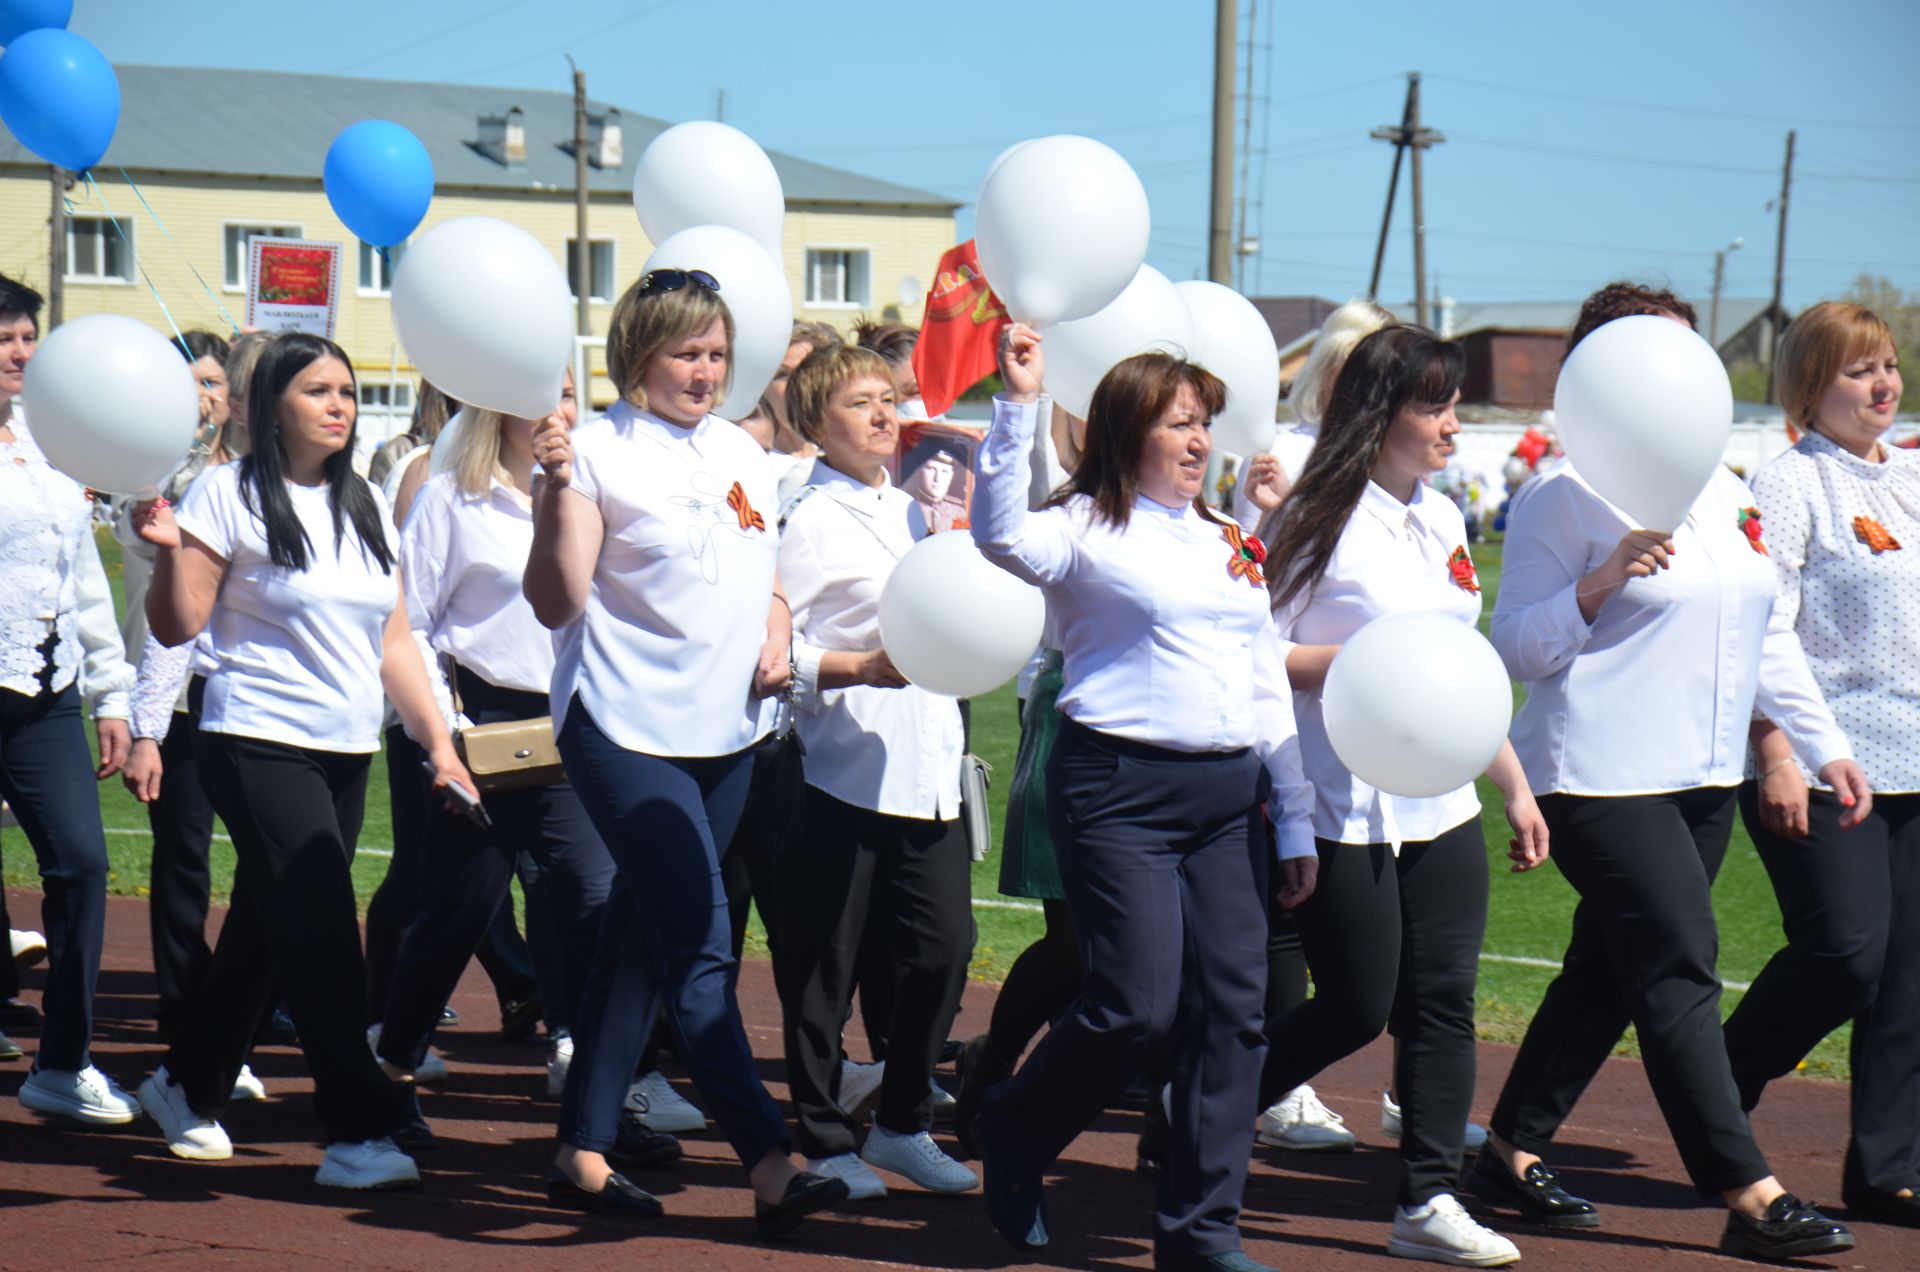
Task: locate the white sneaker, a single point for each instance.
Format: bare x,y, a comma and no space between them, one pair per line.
862,1183
657,1104
196,1138
559,1060
1300,1121
1474,1139
432,1070
1443,1232
87,1096
374,1163
28,947
918,1158
245,1087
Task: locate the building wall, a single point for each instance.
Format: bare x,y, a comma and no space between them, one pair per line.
1512,368
904,246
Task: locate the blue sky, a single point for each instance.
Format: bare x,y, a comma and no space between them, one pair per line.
1584,141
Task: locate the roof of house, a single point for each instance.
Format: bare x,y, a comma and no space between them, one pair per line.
1559,315
264,123
1292,317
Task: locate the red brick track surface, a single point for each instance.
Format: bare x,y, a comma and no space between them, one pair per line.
71,1198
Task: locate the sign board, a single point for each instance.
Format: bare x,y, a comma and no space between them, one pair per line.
293,285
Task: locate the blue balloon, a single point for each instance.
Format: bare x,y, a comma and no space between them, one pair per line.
379,180
60,97
17,17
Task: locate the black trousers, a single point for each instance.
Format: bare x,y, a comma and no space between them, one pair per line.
294,815
465,880
179,879
46,777
1040,986
1163,857
1644,949
860,878
1850,905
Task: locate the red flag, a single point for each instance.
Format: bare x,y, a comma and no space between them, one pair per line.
960,335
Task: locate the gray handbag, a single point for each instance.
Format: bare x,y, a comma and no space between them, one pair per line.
976,815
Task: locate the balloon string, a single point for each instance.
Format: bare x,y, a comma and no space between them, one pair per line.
178,336
224,313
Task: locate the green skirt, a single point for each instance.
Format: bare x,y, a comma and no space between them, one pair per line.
1027,865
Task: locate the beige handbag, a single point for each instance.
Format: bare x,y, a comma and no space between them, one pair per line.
510,755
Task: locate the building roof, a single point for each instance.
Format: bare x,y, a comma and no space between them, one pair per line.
1292,317
1558,316
268,124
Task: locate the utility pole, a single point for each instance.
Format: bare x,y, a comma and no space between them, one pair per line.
1220,214
1719,277
720,107
1241,244
57,250
583,246
1410,135
1774,312
1396,136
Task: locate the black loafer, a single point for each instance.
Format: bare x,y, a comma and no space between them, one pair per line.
449,1017
980,1066
637,1145
619,1197
9,1049
17,1013
805,1194
277,1030
519,1018
1887,1207
1155,1132
416,1136
1792,1230
1016,1203
1538,1197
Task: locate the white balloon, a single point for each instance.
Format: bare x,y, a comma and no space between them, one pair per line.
1417,703
995,167
955,623
707,173
111,403
485,313
755,289
1061,228
1644,410
1148,317
1233,341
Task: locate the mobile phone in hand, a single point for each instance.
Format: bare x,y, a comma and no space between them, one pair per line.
459,799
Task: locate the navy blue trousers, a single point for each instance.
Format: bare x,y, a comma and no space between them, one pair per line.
1164,860
46,776
664,939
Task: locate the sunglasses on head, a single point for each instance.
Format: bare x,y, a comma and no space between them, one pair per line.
673,280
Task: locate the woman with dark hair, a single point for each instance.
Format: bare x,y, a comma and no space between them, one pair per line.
1176,737
653,556
285,559
1643,652
1394,927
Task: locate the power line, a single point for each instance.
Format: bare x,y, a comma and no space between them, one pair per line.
1668,108
427,39
565,45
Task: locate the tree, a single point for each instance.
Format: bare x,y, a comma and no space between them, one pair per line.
1902,313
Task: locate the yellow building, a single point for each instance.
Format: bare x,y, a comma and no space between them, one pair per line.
223,156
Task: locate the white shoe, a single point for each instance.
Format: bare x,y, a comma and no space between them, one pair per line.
657,1104
918,1158
28,947
245,1087
196,1138
859,1083
1474,1139
862,1183
1300,1121
432,1070
87,1096
1443,1232
374,1163
559,1060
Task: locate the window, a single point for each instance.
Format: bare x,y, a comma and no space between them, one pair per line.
99,250
376,271
599,269
397,396
238,236
838,277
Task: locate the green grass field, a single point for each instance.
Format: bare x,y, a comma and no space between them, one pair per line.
1528,919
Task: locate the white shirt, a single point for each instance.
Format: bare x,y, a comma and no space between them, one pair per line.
53,585
894,751
295,653
464,557
1392,558
1658,692
664,655
1164,644
1855,611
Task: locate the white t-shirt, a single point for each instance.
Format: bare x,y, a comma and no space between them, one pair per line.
663,656
296,653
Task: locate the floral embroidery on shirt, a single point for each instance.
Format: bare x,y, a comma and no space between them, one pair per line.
737,500
1874,535
1749,523
1249,554
1460,568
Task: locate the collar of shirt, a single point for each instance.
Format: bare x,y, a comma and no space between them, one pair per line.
1819,445
674,436
1382,504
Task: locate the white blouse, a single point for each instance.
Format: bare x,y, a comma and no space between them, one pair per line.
1166,634
52,584
1392,558
295,654
663,656
1845,537
894,751
464,557
1657,693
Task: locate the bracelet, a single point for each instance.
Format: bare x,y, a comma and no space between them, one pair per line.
1776,768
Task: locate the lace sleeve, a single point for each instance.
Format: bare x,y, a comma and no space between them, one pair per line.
157,688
